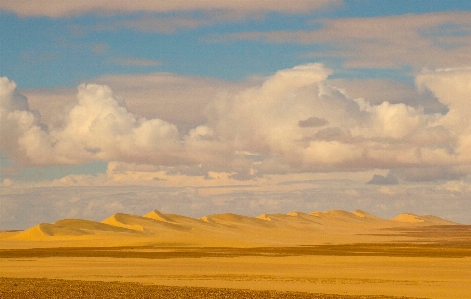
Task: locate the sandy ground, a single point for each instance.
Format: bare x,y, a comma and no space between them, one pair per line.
425,271
337,254
15,288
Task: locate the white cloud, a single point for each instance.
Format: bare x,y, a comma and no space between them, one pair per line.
248,129
162,24
97,128
377,91
21,133
174,98
392,120
381,42
453,88
62,8
100,128
265,120
177,99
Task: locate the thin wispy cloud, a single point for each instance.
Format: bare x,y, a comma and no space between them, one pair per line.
433,40
61,8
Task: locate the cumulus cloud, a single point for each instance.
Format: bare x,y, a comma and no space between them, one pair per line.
377,91
98,127
452,88
21,133
293,121
177,99
266,120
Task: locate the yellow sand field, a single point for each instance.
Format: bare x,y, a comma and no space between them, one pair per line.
425,277
332,252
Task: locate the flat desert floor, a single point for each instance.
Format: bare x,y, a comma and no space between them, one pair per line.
364,270
429,261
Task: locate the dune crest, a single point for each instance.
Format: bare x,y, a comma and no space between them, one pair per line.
410,218
89,225
124,221
293,228
363,214
427,219
156,215
264,217
46,230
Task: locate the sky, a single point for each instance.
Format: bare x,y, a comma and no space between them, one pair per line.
249,107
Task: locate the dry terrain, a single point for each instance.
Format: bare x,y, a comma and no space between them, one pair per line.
332,254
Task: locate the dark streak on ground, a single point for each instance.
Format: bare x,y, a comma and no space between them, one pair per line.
447,250
20,288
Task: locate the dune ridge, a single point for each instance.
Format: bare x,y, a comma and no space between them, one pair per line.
293,228
426,219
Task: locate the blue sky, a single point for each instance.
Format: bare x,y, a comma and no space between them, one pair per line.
228,103
40,51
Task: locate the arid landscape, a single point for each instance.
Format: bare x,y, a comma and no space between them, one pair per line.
332,254
235,149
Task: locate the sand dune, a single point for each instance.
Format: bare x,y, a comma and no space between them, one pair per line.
45,230
427,219
234,220
143,224
294,228
67,229
89,225
343,216
352,253
156,215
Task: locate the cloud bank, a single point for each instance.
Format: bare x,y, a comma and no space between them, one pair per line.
293,121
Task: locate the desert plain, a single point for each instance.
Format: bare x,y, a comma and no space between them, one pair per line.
332,254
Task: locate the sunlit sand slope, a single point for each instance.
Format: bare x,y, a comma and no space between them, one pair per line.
68,229
291,229
425,220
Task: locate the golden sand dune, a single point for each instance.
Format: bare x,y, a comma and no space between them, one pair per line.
67,228
291,229
354,253
44,230
156,215
234,221
88,225
426,220
144,224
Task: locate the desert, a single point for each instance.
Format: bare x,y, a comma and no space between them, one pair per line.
331,254
235,149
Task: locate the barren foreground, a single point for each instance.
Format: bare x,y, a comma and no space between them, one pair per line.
52,288
359,271
334,255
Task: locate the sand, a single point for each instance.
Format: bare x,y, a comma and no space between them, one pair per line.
425,271
291,229
11,288
335,253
